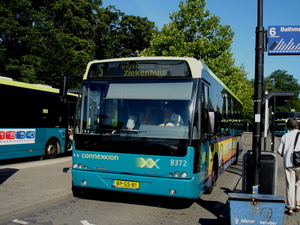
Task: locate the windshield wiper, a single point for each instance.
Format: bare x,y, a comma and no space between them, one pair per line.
126,130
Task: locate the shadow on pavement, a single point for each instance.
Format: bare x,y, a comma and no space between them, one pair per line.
6,173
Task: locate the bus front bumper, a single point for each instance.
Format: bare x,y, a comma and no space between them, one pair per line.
172,187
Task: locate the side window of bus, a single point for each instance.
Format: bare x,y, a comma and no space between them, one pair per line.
224,114
204,109
197,116
94,106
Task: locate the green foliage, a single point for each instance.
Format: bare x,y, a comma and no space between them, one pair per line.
238,82
42,39
121,35
194,32
280,80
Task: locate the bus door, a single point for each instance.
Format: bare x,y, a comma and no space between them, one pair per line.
205,136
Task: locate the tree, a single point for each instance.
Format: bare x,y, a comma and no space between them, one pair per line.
135,35
14,22
194,32
243,89
46,39
280,80
42,39
121,35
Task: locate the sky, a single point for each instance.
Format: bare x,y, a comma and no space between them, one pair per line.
241,15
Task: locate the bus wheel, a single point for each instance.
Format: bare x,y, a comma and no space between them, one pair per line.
51,149
79,192
214,176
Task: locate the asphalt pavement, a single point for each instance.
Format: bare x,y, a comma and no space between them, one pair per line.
24,188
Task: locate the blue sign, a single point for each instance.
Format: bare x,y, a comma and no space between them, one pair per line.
256,209
284,40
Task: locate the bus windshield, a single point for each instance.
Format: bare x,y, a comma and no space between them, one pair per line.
281,126
135,109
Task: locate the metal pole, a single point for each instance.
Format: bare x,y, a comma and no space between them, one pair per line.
273,124
258,93
266,123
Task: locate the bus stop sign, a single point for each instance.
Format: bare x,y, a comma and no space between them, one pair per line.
284,40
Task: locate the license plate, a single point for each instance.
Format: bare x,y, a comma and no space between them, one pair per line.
126,184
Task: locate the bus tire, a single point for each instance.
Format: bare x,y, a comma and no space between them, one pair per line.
78,192
214,178
51,149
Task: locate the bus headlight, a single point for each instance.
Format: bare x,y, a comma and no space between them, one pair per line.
184,174
177,174
80,166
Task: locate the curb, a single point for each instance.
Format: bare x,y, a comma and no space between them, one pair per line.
35,205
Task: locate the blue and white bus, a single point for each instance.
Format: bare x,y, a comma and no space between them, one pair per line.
32,120
193,136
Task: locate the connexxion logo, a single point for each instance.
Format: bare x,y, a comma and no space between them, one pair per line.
99,156
147,162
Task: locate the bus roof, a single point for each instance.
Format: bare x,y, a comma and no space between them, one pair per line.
38,87
196,66
191,61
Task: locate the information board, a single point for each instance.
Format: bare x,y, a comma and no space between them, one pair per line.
284,40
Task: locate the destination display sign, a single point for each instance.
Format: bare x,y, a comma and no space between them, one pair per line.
142,68
284,40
